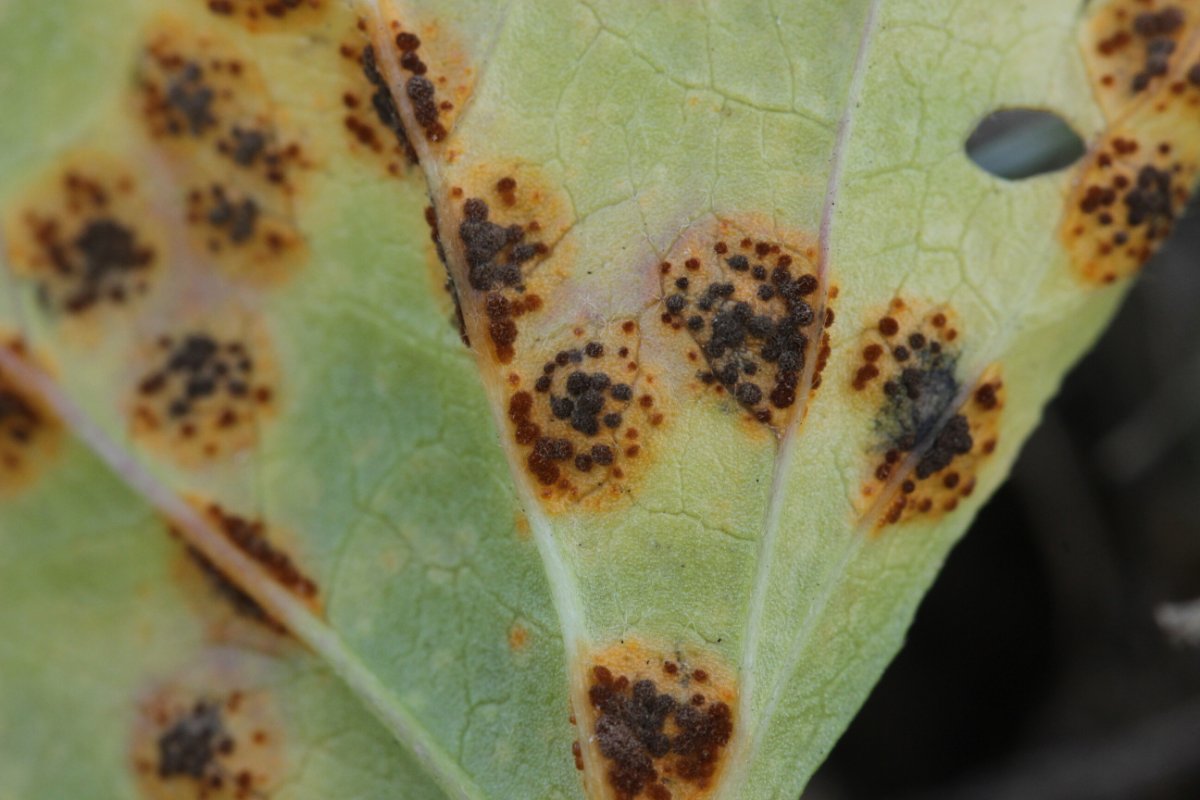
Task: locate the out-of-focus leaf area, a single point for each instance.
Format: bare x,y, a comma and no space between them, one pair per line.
1058,654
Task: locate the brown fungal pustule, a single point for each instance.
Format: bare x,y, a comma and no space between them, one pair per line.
582,416
266,14
371,117
657,734
498,258
235,230
29,431
1128,197
207,741
926,426
251,537
419,87
752,309
85,235
205,395
1133,46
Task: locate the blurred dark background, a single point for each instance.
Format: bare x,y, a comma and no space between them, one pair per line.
1055,656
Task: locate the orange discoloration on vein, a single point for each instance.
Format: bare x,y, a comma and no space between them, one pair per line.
748,300
1144,60
209,733
30,434
240,173
229,613
85,235
439,76
371,118
271,548
655,723
928,442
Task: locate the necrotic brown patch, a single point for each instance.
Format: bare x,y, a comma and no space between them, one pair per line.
85,235
29,432
201,737
928,442
205,394
660,725
206,104
754,307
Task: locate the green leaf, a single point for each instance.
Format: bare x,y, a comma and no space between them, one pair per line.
752,337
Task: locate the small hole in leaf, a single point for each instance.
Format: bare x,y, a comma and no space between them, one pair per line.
1019,143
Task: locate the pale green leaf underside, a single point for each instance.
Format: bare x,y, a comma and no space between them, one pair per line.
386,463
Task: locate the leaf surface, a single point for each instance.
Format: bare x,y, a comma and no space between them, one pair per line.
751,339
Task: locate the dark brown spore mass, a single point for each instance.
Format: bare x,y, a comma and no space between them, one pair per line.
100,263
250,537
493,252
385,104
20,422
238,219
637,726
191,745
1156,29
190,100
756,345
197,368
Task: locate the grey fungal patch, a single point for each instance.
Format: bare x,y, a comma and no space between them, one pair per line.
916,402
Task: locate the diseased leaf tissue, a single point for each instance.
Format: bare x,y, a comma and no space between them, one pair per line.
750,338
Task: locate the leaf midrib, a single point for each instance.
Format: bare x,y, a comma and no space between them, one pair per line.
784,456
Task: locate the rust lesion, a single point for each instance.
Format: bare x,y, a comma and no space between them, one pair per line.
204,393
750,311
84,234
30,433
371,117
654,723
203,737
207,107
230,613
931,433
1135,48
431,67
586,415
1144,63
